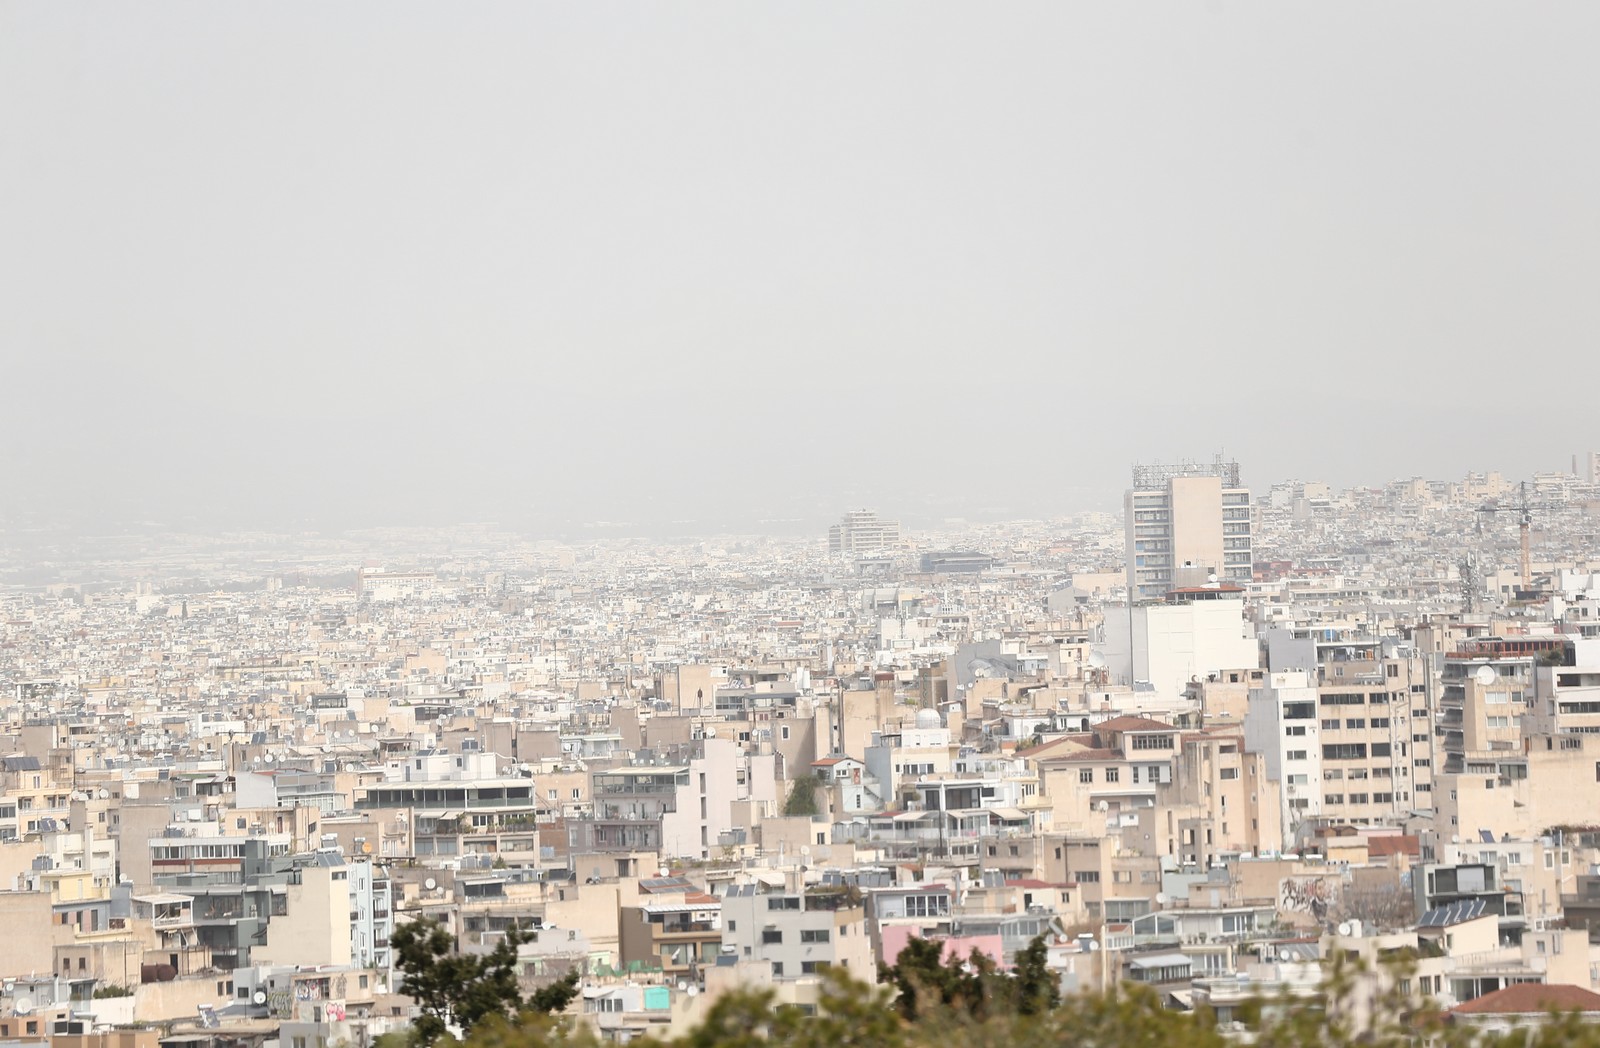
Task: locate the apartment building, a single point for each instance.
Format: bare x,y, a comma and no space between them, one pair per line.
797,931
863,531
1185,635
1282,724
679,934
1186,524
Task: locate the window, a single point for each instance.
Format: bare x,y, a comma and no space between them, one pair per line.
1345,751
1297,755
1087,774
1087,877
1356,723
771,936
1381,749
1230,773
812,967
927,904
809,935
1113,775
1152,742
1295,729
733,926
1331,725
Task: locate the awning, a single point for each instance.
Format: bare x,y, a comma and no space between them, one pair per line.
1161,960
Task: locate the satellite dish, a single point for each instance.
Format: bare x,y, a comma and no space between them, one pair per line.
1162,898
1097,660
260,997
23,1005
711,733
1485,675
102,793
430,884
1344,928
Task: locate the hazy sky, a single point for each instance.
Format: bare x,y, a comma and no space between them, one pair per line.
371,262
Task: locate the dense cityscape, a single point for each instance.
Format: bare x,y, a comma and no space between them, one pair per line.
1201,746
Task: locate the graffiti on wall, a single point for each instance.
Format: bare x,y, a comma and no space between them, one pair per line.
1313,896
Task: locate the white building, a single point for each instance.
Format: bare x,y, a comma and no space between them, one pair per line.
1195,633
863,531
1281,724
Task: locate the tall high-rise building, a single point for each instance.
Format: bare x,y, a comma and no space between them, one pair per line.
1186,523
863,531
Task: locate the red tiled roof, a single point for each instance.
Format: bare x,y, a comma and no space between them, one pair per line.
1523,998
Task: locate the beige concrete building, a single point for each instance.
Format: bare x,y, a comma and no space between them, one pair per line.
1185,524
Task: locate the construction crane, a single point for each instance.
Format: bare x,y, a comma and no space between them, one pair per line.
1525,526
1524,531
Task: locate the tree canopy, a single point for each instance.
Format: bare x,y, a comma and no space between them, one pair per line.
465,989
803,796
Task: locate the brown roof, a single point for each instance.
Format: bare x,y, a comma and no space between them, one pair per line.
1393,844
1056,743
1131,723
1088,755
1523,998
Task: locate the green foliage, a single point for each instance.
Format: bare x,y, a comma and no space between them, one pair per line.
932,1003
112,990
803,796
927,984
463,988
1036,988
